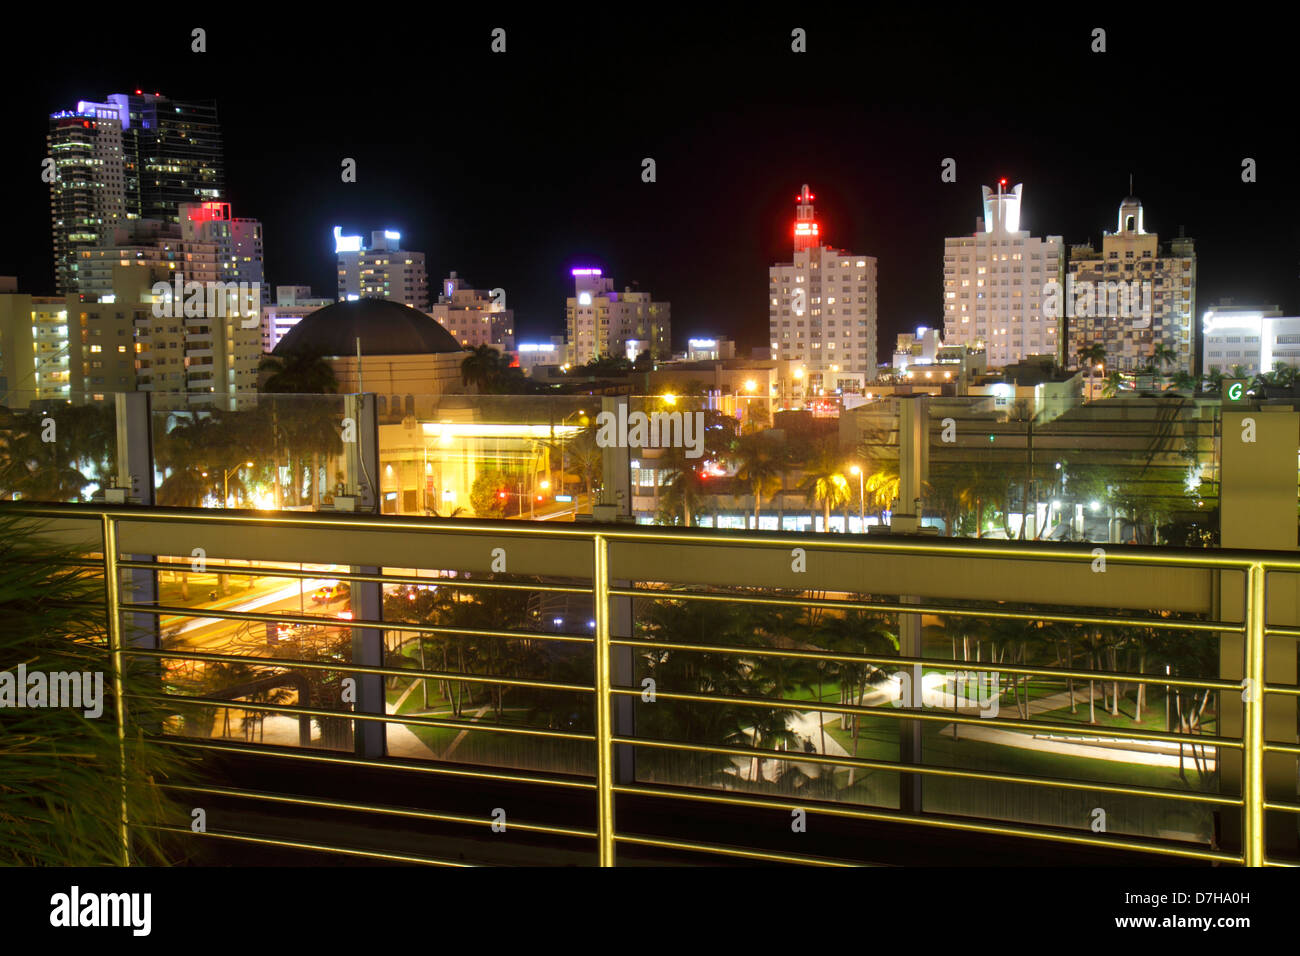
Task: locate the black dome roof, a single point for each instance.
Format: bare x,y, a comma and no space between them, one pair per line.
384,327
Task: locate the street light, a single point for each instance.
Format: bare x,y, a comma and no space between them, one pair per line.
225,482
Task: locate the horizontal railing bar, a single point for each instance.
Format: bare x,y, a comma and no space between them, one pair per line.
376,809
239,570
897,767
370,763
937,609
936,663
318,847
890,816
295,711
1282,807
319,620
292,663
719,849
1285,690
1221,559
1280,748
905,713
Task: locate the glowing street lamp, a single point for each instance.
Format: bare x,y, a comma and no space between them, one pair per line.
225,482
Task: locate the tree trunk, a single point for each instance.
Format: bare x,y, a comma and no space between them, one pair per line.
1092,693
1142,688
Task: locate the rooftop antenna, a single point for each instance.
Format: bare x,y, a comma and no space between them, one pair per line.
359,388
1130,184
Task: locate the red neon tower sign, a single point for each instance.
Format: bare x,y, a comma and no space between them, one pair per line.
807,234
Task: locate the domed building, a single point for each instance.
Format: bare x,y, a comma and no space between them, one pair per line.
381,346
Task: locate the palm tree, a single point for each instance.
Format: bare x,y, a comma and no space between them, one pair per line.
1214,380
1111,384
1184,381
1162,355
1091,356
481,368
979,487
881,487
63,789
300,372
760,467
824,482
685,487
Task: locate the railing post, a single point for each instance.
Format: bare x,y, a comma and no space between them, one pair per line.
604,723
113,607
1252,738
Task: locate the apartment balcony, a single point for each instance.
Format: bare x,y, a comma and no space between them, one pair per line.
362,685
891,689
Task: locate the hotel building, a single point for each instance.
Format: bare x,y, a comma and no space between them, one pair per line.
1154,305
994,284
822,311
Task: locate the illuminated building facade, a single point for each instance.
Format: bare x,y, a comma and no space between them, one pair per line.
822,310
1254,337
88,190
1163,296
602,321
238,242
119,344
135,156
474,317
382,270
292,304
995,283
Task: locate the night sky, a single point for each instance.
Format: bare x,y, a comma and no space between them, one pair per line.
511,169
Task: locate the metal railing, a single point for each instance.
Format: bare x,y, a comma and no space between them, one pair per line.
1226,592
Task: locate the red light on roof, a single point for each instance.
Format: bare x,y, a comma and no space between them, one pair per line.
1002,182
137,92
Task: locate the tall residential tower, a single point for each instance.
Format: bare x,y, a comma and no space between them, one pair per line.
995,282
134,156
822,309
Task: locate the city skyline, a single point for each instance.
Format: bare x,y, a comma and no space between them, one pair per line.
498,198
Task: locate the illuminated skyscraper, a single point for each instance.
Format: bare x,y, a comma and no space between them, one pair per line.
994,284
135,156
822,309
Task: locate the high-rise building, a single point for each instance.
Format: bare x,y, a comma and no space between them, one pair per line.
382,270
88,189
1133,296
995,282
175,146
134,156
822,310
34,355
132,340
207,246
602,321
474,317
238,242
